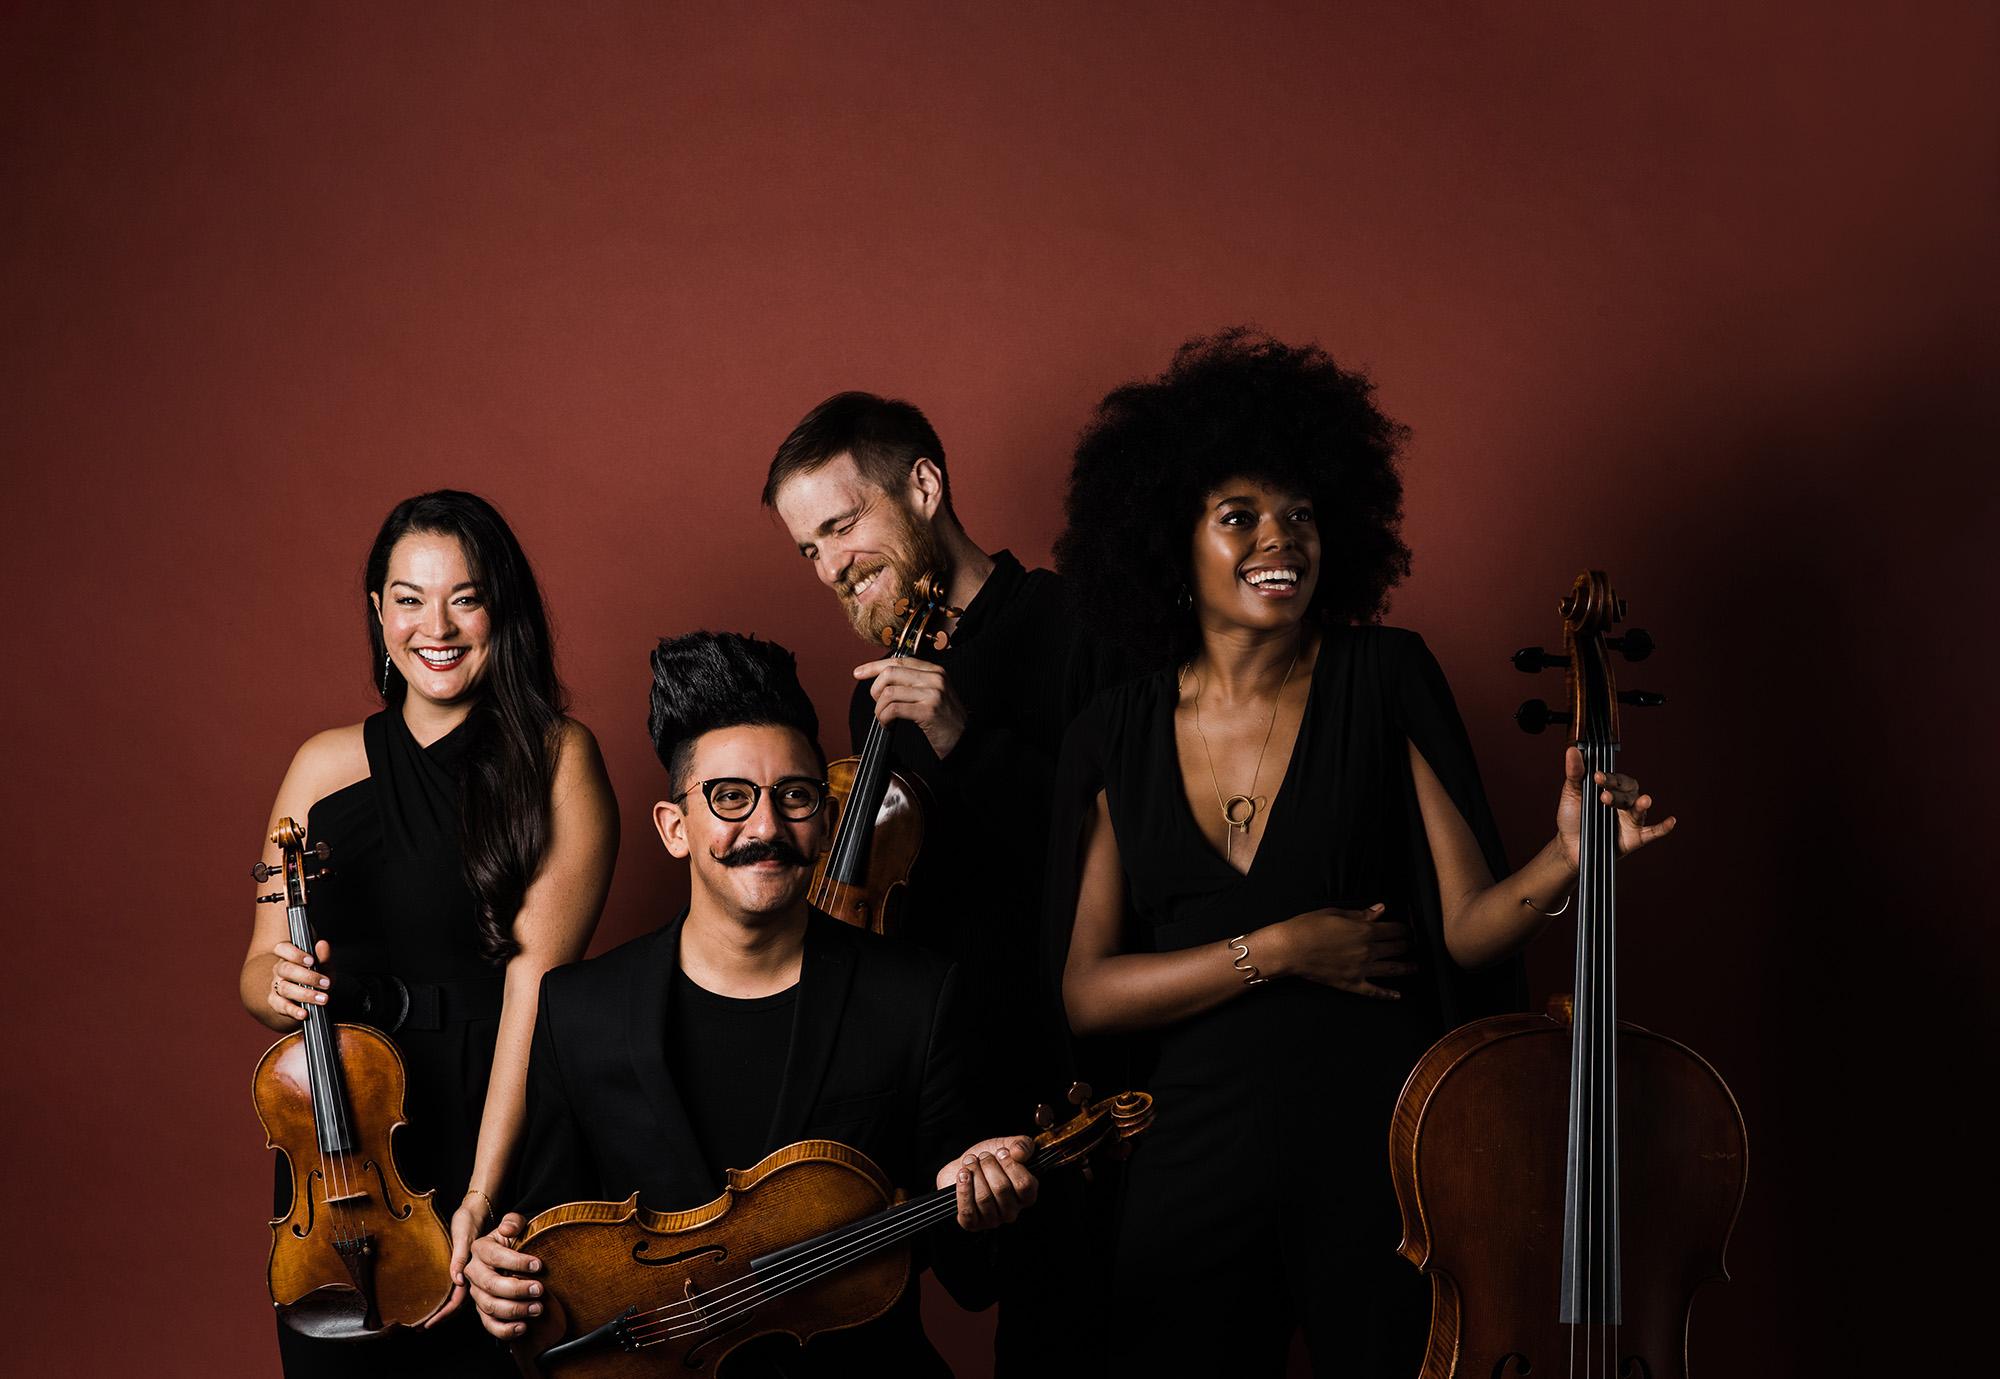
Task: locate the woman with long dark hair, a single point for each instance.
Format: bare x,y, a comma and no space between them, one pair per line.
473,832
1283,886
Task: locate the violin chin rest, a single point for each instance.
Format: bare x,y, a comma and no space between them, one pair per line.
335,1312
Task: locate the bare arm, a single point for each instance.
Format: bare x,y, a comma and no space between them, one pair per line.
1107,991
1484,920
277,978
557,917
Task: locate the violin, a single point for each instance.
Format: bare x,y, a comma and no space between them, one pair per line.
813,1238
1583,1262
358,1254
861,876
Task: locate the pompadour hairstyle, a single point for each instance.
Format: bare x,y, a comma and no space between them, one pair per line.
884,435
708,680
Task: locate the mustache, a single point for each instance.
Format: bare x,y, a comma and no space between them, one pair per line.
751,853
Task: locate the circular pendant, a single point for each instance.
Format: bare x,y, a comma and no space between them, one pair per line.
1239,810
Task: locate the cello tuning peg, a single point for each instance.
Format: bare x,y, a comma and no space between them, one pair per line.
263,871
1641,699
1635,645
272,899
1535,715
1079,1093
1532,660
1045,1116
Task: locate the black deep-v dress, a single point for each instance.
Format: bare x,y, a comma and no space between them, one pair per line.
399,915
1260,1200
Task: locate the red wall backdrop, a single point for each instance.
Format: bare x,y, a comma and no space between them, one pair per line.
1701,294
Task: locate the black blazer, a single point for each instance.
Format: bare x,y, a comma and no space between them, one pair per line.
877,1061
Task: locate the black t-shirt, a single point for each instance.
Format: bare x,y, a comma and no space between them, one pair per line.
728,1059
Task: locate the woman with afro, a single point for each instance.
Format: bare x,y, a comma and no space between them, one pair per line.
1282,889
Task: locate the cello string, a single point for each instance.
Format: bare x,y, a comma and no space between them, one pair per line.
1607,844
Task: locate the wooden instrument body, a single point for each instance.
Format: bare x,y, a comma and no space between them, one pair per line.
601,1258
896,838
1476,1153
356,1193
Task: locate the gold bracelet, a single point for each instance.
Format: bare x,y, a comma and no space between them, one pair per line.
480,1193
1242,963
1549,914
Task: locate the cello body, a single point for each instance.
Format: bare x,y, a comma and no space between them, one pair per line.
1476,1155
1568,1181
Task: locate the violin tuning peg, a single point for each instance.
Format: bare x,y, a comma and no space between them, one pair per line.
1635,645
322,850
1087,1175
263,871
271,899
1079,1094
940,640
887,636
902,608
1641,699
1045,1116
1535,715
1532,660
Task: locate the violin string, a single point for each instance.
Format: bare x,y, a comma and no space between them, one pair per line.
886,1228
760,1291
754,1289
316,1080
839,1245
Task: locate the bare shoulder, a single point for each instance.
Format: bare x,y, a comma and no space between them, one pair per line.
327,762
579,764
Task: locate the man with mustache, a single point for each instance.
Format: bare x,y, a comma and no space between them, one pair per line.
860,486
749,1023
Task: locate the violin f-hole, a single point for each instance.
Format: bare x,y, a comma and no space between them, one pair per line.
387,1205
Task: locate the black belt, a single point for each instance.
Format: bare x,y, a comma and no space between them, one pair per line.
391,1004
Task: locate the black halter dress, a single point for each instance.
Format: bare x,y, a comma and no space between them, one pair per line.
1260,1200
399,918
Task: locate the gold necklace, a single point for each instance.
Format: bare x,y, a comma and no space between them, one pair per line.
1238,811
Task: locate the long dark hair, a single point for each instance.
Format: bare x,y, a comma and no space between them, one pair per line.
516,722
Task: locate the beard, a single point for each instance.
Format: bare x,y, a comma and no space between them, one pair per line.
913,552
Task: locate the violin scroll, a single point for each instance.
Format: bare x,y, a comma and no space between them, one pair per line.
1110,1125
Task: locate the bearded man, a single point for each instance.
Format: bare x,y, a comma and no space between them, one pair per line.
860,486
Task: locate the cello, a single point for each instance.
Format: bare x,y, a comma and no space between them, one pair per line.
860,877
1584,1262
359,1254
813,1238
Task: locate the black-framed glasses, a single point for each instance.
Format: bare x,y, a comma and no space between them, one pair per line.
732,799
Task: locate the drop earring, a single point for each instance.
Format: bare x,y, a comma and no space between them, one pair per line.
385,675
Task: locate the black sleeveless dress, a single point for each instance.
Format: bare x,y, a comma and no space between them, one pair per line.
1260,1200
399,917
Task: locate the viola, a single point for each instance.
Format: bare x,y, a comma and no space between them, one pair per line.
1583,1262
359,1254
861,876
813,1238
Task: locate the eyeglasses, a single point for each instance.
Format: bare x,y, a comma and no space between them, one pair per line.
733,800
